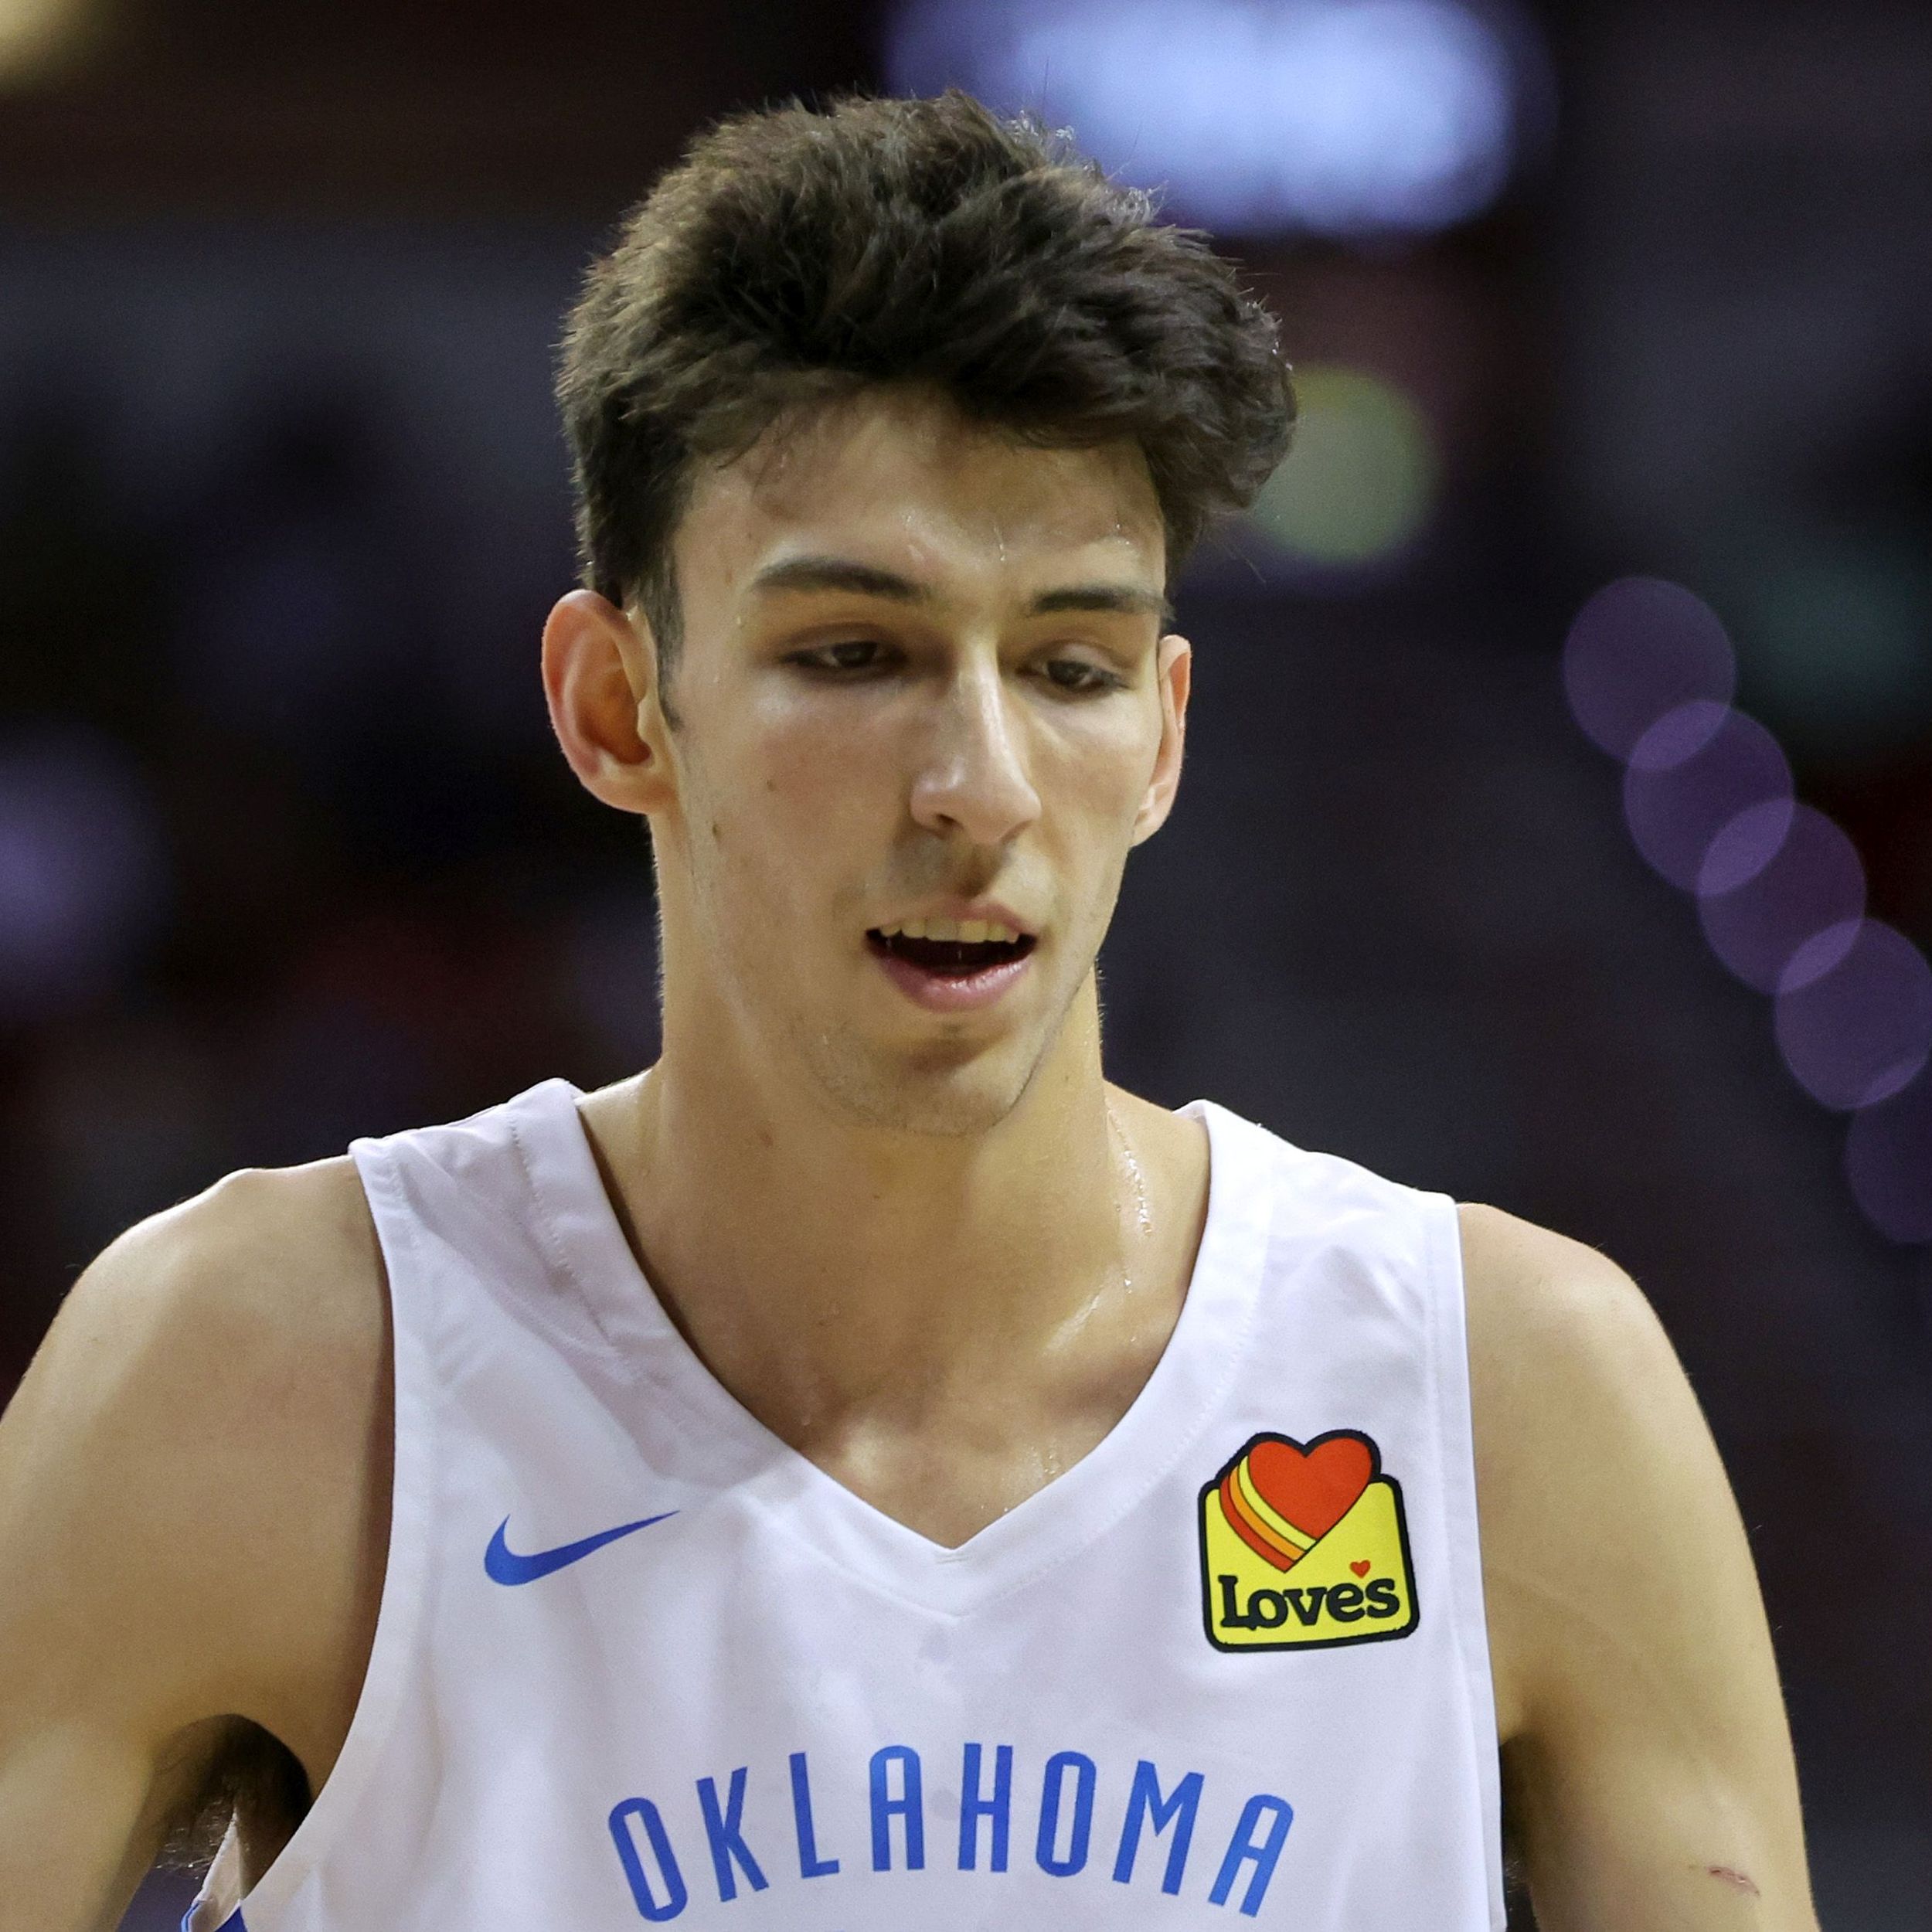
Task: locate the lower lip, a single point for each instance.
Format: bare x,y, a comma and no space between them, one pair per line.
950,992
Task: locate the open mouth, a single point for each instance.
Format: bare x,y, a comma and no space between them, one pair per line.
953,958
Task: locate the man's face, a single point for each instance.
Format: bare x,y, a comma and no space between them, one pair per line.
920,664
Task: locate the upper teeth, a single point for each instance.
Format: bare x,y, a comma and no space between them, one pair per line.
958,932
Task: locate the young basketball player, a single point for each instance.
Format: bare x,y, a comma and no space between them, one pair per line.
866,1471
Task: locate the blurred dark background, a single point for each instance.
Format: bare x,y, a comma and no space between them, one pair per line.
286,854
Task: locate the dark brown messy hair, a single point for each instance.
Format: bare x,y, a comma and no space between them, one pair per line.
796,255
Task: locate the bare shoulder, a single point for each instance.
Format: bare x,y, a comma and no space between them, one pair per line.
192,1470
1552,1321
1561,1340
1647,1749
1549,1318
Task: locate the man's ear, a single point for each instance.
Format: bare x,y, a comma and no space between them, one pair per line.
1174,661
599,677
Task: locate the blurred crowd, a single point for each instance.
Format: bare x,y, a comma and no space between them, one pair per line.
270,877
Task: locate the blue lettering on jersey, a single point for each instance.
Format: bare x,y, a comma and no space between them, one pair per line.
810,1865
1145,1803
998,1808
728,1847
1063,1865
1077,1796
910,1805
1242,1848
658,1842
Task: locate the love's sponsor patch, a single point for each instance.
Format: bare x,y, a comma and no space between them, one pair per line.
1304,1545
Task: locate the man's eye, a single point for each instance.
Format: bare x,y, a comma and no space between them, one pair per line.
1070,674
1086,676
849,653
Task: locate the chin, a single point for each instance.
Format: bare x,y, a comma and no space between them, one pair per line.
945,1095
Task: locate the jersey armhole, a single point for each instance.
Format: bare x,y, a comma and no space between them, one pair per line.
1449,1331
399,1610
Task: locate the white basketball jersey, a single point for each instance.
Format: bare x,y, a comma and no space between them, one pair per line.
640,1662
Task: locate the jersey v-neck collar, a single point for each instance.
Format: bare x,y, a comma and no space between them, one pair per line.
800,1499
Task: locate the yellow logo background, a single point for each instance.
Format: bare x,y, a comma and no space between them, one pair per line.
1354,1585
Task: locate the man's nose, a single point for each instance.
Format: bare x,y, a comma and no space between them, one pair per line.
974,779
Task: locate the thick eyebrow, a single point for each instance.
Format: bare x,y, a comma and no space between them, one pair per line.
866,579
1104,597
839,573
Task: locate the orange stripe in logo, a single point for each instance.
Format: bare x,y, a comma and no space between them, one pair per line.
1234,1508
1285,1534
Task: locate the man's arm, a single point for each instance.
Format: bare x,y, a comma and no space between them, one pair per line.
1653,1781
185,1497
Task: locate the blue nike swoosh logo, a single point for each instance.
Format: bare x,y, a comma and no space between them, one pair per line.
502,1565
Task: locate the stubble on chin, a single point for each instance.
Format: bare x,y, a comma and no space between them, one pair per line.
943,1088
939,1093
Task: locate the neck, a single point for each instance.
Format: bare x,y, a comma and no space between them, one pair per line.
828,1270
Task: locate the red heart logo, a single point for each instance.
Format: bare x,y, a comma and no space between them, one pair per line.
1314,1489
1360,1569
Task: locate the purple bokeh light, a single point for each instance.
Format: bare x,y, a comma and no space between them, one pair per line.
1819,954
1887,1160
1855,1033
1690,776
1744,846
1650,676
1811,883
1641,648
